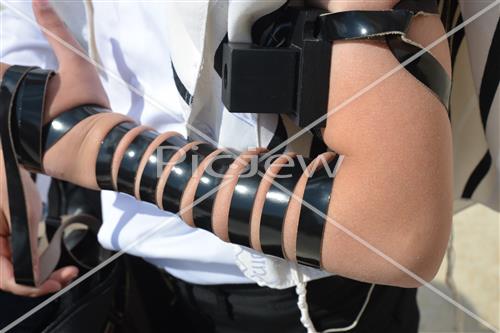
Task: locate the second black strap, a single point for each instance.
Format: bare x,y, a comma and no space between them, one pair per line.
275,207
131,159
106,152
311,224
156,164
240,209
180,174
209,181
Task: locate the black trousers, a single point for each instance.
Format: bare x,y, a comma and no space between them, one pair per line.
333,302
137,297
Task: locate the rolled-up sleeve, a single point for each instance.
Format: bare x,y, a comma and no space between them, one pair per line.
21,41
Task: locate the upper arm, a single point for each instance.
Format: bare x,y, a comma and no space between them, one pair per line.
394,187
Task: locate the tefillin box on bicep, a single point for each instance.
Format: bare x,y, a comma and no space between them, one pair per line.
286,69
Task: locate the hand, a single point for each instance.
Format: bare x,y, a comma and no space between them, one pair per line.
75,83
59,278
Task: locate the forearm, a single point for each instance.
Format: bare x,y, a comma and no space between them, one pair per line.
95,148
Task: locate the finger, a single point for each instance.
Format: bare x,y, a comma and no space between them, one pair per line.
32,197
57,33
4,223
64,275
5,247
58,280
3,68
8,283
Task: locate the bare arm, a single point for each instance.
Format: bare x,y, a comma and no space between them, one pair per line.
394,188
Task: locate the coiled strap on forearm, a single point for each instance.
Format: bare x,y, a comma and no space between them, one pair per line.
131,160
106,152
242,201
275,207
181,173
207,190
313,217
156,164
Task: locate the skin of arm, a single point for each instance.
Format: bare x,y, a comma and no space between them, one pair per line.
394,188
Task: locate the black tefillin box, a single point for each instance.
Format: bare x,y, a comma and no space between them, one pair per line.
290,78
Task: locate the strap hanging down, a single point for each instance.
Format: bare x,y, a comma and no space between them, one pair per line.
20,231
23,139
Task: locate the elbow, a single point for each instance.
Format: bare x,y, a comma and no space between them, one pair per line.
422,254
406,259
416,271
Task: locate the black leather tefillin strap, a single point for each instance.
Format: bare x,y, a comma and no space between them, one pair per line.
156,164
25,140
62,124
29,119
206,189
311,224
181,173
392,25
275,207
106,152
131,160
20,233
242,202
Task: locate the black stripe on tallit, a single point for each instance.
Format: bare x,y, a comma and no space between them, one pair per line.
456,41
477,176
489,86
181,88
491,76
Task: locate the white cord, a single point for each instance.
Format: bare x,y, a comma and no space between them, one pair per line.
301,290
305,318
358,317
92,44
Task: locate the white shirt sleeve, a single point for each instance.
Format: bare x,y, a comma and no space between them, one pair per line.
21,41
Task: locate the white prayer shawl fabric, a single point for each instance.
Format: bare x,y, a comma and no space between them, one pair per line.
475,104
